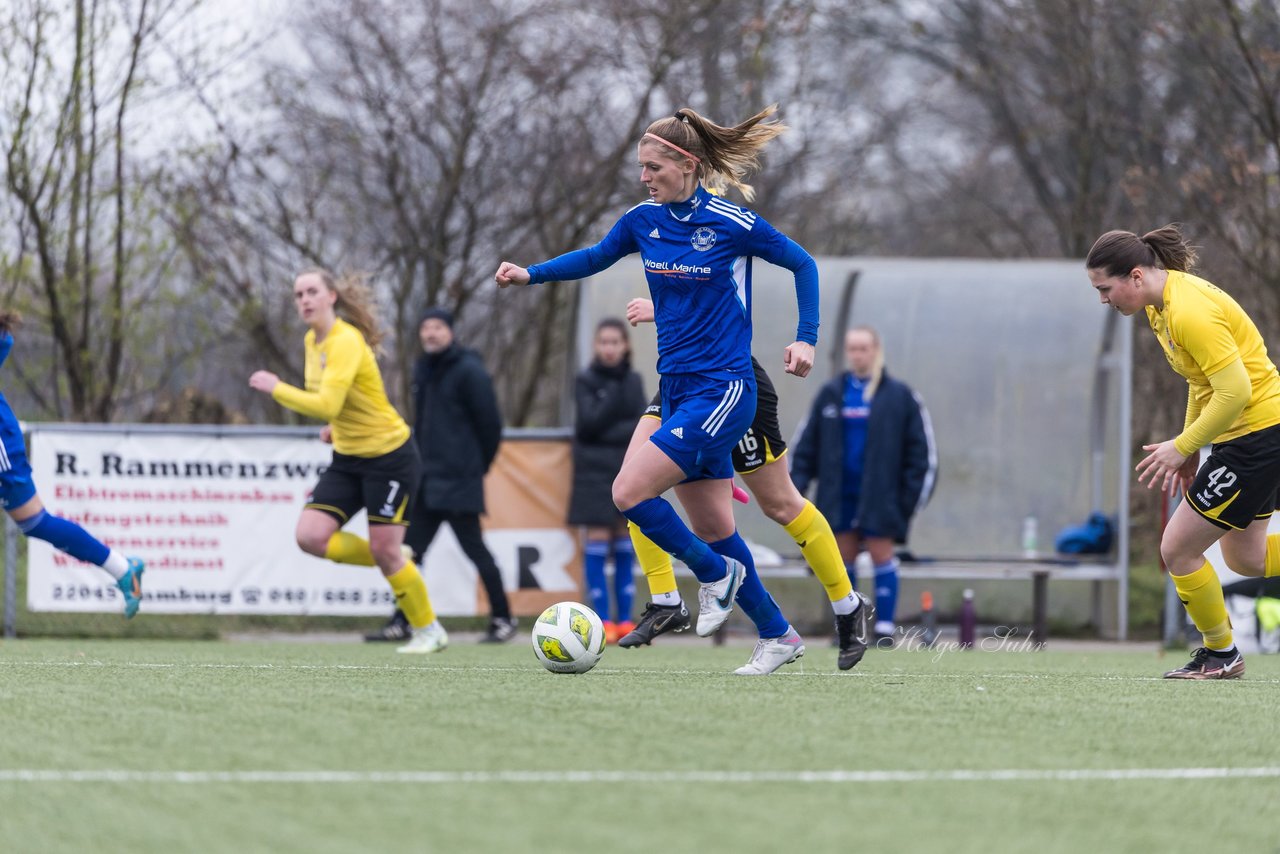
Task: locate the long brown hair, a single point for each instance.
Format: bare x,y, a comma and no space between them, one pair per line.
726,155
1119,252
355,303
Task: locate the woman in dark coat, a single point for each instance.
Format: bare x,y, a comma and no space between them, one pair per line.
869,445
610,398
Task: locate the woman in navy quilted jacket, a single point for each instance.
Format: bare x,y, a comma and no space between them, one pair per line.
869,445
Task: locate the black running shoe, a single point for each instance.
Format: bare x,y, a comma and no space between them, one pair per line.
852,633
656,620
501,630
1204,664
396,629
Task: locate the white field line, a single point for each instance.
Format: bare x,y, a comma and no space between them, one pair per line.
1024,775
431,667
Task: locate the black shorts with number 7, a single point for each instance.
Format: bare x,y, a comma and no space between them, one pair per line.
763,442
384,486
1237,484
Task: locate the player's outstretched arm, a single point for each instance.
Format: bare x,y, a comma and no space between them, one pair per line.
511,274
798,358
263,381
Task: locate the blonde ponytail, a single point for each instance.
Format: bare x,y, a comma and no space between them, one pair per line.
725,156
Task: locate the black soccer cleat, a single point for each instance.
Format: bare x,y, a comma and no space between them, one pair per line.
396,629
853,631
1204,664
656,620
501,630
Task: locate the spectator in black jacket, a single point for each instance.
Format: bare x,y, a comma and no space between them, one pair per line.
610,398
457,426
869,445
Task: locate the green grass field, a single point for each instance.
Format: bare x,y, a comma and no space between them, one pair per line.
215,746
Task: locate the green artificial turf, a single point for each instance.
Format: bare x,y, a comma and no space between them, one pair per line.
476,749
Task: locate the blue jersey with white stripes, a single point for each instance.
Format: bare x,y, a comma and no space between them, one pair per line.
697,259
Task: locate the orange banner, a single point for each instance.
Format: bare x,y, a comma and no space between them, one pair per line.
527,497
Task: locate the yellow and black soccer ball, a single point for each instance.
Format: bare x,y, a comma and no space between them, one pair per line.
568,638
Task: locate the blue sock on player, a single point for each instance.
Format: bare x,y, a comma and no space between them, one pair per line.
595,554
886,590
65,536
660,523
624,582
755,600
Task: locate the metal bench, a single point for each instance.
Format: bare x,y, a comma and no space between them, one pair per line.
1038,572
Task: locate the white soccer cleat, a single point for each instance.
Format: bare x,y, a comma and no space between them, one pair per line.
715,600
772,653
428,639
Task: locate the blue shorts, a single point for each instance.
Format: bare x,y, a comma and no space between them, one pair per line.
709,413
848,520
16,485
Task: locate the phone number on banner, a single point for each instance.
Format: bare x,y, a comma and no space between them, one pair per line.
250,596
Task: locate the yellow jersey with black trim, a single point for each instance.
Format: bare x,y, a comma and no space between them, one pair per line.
344,387
1202,330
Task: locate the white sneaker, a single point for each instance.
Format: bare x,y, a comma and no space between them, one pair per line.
429,638
715,600
772,653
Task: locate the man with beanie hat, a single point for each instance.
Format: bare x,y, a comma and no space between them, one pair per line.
457,426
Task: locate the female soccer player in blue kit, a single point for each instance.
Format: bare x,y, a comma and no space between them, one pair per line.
19,499
697,250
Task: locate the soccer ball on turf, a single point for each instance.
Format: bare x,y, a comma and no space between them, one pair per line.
568,638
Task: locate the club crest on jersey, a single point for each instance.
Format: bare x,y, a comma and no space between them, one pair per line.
703,239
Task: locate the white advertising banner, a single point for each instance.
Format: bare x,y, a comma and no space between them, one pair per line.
213,516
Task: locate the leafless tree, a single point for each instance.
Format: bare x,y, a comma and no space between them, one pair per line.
425,144
82,253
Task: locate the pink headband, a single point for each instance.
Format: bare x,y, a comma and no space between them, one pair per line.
669,144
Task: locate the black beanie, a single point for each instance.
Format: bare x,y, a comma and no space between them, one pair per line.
437,312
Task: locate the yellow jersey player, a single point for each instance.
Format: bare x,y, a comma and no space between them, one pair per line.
1233,404
375,466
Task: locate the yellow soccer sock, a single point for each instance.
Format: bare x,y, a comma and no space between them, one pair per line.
817,543
1201,593
411,595
1273,556
349,548
654,561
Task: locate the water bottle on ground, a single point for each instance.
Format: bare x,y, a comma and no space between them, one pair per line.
968,621
928,620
